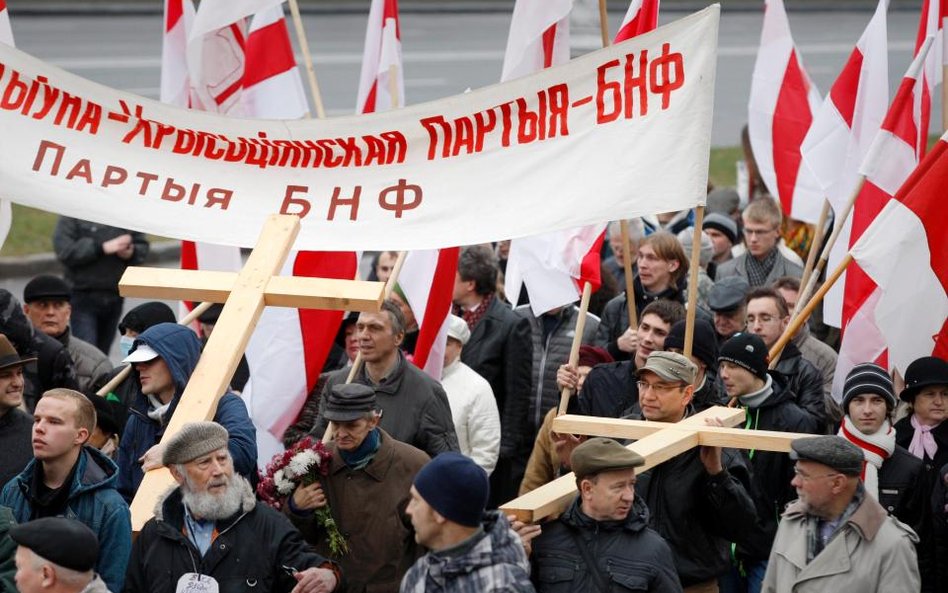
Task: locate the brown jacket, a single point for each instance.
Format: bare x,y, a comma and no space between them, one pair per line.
544,464
369,507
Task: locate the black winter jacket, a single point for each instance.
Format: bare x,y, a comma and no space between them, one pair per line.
806,383
254,550
415,409
772,471
699,514
615,316
78,246
630,555
609,390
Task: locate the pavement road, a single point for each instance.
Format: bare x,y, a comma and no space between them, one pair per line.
447,53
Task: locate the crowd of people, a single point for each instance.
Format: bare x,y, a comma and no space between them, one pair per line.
417,467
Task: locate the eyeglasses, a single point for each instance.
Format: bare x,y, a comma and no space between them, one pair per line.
659,388
806,478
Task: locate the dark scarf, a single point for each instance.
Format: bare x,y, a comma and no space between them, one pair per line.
364,453
758,270
46,501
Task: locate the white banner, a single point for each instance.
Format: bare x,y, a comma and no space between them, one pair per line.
618,133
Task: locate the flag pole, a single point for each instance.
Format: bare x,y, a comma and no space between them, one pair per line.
838,224
693,282
357,363
815,246
122,374
604,22
393,85
307,59
800,319
627,268
577,342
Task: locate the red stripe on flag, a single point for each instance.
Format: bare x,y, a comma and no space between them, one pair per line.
438,305
188,260
847,86
859,286
318,327
173,15
792,119
390,11
590,269
3,5
922,27
269,52
549,37
369,106
644,21
899,119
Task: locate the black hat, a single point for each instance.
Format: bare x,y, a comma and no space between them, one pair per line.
868,378
106,414
62,541
728,294
349,402
46,288
928,370
722,223
8,355
601,454
454,486
146,315
704,346
350,319
211,314
830,450
748,351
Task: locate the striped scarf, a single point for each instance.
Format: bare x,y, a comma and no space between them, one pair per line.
876,448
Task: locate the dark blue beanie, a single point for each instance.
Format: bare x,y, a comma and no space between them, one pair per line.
454,486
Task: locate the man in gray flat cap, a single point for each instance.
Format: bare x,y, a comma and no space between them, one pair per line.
727,301
56,555
212,527
367,487
605,528
836,537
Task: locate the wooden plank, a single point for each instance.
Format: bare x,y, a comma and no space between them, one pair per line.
739,438
619,428
324,293
171,284
210,378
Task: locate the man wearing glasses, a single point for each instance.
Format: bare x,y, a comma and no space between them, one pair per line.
836,537
698,500
763,262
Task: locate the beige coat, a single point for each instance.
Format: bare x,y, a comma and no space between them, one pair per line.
875,552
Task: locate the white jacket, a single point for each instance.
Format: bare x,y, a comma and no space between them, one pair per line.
475,415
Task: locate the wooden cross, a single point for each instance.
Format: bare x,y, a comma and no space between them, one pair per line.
657,442
244,295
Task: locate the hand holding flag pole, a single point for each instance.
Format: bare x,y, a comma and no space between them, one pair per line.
567,392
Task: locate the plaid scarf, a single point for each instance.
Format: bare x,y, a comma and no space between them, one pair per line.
816,537
474,316
758,270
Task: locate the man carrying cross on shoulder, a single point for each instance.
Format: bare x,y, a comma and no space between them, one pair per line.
698,500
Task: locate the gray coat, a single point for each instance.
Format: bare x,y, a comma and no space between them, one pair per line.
415,409
738,267
88,360
551,352
873,552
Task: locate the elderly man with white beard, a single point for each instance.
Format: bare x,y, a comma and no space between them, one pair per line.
211,529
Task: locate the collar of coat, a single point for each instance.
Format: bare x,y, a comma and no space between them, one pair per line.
866,521
377,469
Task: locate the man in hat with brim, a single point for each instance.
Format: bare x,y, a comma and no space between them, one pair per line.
16,426
56,555
471,550
605,528
212,527
836,537
367,487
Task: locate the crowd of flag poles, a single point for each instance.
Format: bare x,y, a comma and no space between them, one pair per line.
886,259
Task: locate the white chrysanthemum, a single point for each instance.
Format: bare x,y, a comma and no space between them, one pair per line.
302,463
284,487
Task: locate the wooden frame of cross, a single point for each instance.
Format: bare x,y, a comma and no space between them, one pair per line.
657,442
244,295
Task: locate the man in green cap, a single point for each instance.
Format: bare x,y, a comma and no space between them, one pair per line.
602,542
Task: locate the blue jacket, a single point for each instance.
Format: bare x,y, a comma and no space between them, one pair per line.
180,349
92,500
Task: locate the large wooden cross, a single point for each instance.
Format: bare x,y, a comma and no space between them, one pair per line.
657,442
244,295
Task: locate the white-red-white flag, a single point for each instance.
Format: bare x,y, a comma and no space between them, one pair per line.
381,59
271,86
551,264
539,37
783,100
843,130
6,36
641,17
175,81
427,280
893,156
905,252
931,24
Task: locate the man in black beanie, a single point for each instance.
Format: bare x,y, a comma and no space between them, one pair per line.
769,406
56,555
471,550
704,353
